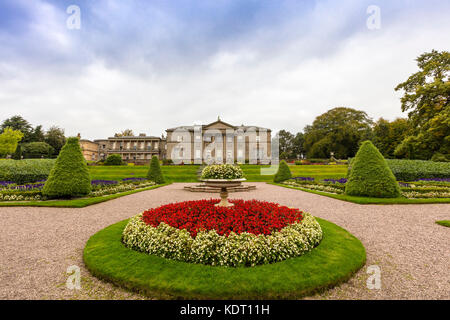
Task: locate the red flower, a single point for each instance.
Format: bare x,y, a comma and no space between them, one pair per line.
253,216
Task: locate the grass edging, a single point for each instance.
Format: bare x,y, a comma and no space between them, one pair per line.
367,200
76,203
335,260
445,223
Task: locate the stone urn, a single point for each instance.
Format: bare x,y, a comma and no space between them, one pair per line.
223,184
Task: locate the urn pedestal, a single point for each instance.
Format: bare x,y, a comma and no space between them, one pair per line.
223,184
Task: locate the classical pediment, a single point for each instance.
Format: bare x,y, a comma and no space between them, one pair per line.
219,124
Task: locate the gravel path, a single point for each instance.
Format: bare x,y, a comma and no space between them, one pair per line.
39,244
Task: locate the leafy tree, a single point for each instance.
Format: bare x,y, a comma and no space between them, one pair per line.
154,172
283,173
37,150
125,133
426,97
54,136
297,145
18,123
339,130
388,135
285,144
9,140
370,175
37,135
70,175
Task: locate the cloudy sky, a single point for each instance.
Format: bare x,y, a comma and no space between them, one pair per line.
152,65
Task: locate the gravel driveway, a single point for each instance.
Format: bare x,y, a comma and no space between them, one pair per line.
39,244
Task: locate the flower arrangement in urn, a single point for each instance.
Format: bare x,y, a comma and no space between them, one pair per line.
222,176
222,171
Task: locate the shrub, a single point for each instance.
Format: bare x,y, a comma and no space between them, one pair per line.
409,170
439,157
155,173
37,150
114,160
370,175
70,175
222,171
25,171
283,173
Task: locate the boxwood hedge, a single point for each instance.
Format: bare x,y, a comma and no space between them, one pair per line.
25,171
410,170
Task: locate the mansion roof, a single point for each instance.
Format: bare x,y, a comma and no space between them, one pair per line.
224,124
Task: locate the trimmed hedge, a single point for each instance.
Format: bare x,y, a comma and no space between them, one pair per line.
283,173
370,175
155,173
70,175
114,160
410,170
25,171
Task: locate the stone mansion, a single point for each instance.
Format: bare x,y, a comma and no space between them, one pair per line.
216,142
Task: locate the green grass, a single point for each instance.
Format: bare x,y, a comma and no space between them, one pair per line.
74,203
445,223
335,260
368,200
188,173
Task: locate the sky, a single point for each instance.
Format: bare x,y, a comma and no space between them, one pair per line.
153,65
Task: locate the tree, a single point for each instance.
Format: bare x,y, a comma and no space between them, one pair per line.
370,176
426,97
297,145
18,123
54,136
37,135
388,135
125,133
285,143
9,140
283,173
70,175
339,130
37,150
154,172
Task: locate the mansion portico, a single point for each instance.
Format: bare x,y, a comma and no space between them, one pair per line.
218,142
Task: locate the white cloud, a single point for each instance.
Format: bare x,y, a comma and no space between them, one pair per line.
256,80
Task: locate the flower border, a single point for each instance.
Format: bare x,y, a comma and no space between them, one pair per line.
235,250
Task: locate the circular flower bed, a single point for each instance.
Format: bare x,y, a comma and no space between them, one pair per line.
222,171
248,234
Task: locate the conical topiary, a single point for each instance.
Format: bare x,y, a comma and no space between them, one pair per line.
70,175
155,173
370,175
283,173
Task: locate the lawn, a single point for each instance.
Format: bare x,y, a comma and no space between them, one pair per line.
188,173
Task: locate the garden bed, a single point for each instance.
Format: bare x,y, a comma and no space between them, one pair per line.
334,260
